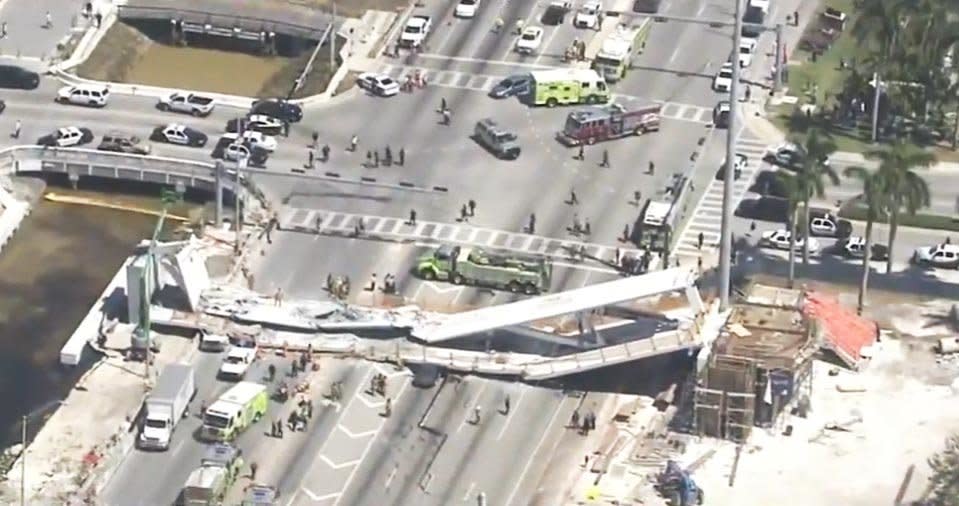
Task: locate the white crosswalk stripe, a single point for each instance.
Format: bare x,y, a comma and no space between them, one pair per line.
339,223
485,83
707,216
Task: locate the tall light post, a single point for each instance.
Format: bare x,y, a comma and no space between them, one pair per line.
725,237
23,443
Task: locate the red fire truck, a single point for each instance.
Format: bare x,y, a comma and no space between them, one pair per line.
612,121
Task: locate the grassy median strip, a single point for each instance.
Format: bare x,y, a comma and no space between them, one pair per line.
854,210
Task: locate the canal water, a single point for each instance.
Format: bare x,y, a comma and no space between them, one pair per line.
51,273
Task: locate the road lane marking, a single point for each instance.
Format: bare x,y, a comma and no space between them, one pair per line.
469,492
355,435
326,460
369,445
315,497
529,461
509,416
389,479
467,59
549,41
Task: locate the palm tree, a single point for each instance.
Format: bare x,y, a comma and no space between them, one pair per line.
809,179
874,196
794,196
904,188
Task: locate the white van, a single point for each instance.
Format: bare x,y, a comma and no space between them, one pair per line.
92,95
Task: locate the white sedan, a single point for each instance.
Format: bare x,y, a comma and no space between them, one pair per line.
724,79
530,40
466,8
378,84
779,239
588,15
256,139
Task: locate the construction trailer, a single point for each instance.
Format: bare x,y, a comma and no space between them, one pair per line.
759,367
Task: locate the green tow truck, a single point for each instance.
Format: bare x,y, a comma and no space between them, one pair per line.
475,266
208,484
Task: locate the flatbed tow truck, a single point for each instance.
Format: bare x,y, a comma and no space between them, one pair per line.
475,266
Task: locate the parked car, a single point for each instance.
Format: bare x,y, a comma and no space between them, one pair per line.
175,133
188,103
278,108
12,76
67,137
724,78
721,114
738,167
466,8
378,84
236,362
828,225
92,95
855,247
122,142
772,209
252,138
512,85
555,13
747,47
779,239
256,122
588,15
788,155
530,40
769,184
945,256
231,150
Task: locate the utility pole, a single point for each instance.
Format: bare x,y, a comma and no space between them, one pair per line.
875,106
23,461
218,177
780,56
333,40
725,237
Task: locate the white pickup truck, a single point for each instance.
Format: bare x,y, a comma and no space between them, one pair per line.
415,31
237,362
188,103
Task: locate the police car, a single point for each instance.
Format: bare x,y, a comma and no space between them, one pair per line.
256,122
378,84
779,239
945,256
66,137
175,133
252,138
738,167
724,78
588,15
229,149
466,8
855,247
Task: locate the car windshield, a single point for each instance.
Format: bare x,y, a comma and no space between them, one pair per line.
467,2
154,423
726,73
529,36
505,137
412,29
572,125
215,421
386,81
745,50
233,360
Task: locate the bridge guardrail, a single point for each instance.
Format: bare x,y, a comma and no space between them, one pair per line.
86,160
228,20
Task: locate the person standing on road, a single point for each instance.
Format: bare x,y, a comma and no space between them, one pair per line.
271,372
476,415
326,153
316,139
464,214
637,196
388,156
532,223
353,142
572,197
605,161
49,21
376,158
582,153
16,130
442,104
506,405
253,468
3,30
310,164
446,117
574,419
699,240
402,156
412,216
652,168
472,206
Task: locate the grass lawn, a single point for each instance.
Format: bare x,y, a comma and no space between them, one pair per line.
353,8
854,210
142,60
818,82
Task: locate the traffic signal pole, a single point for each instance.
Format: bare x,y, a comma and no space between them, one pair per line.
725,234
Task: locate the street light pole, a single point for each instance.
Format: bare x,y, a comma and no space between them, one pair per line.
23,462
725,237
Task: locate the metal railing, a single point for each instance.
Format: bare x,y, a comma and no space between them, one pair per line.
313,32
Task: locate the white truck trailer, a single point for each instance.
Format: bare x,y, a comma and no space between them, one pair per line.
166,406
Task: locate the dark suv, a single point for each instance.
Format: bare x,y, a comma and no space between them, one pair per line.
278,108
12,76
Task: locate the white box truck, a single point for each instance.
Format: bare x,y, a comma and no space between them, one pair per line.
166,406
